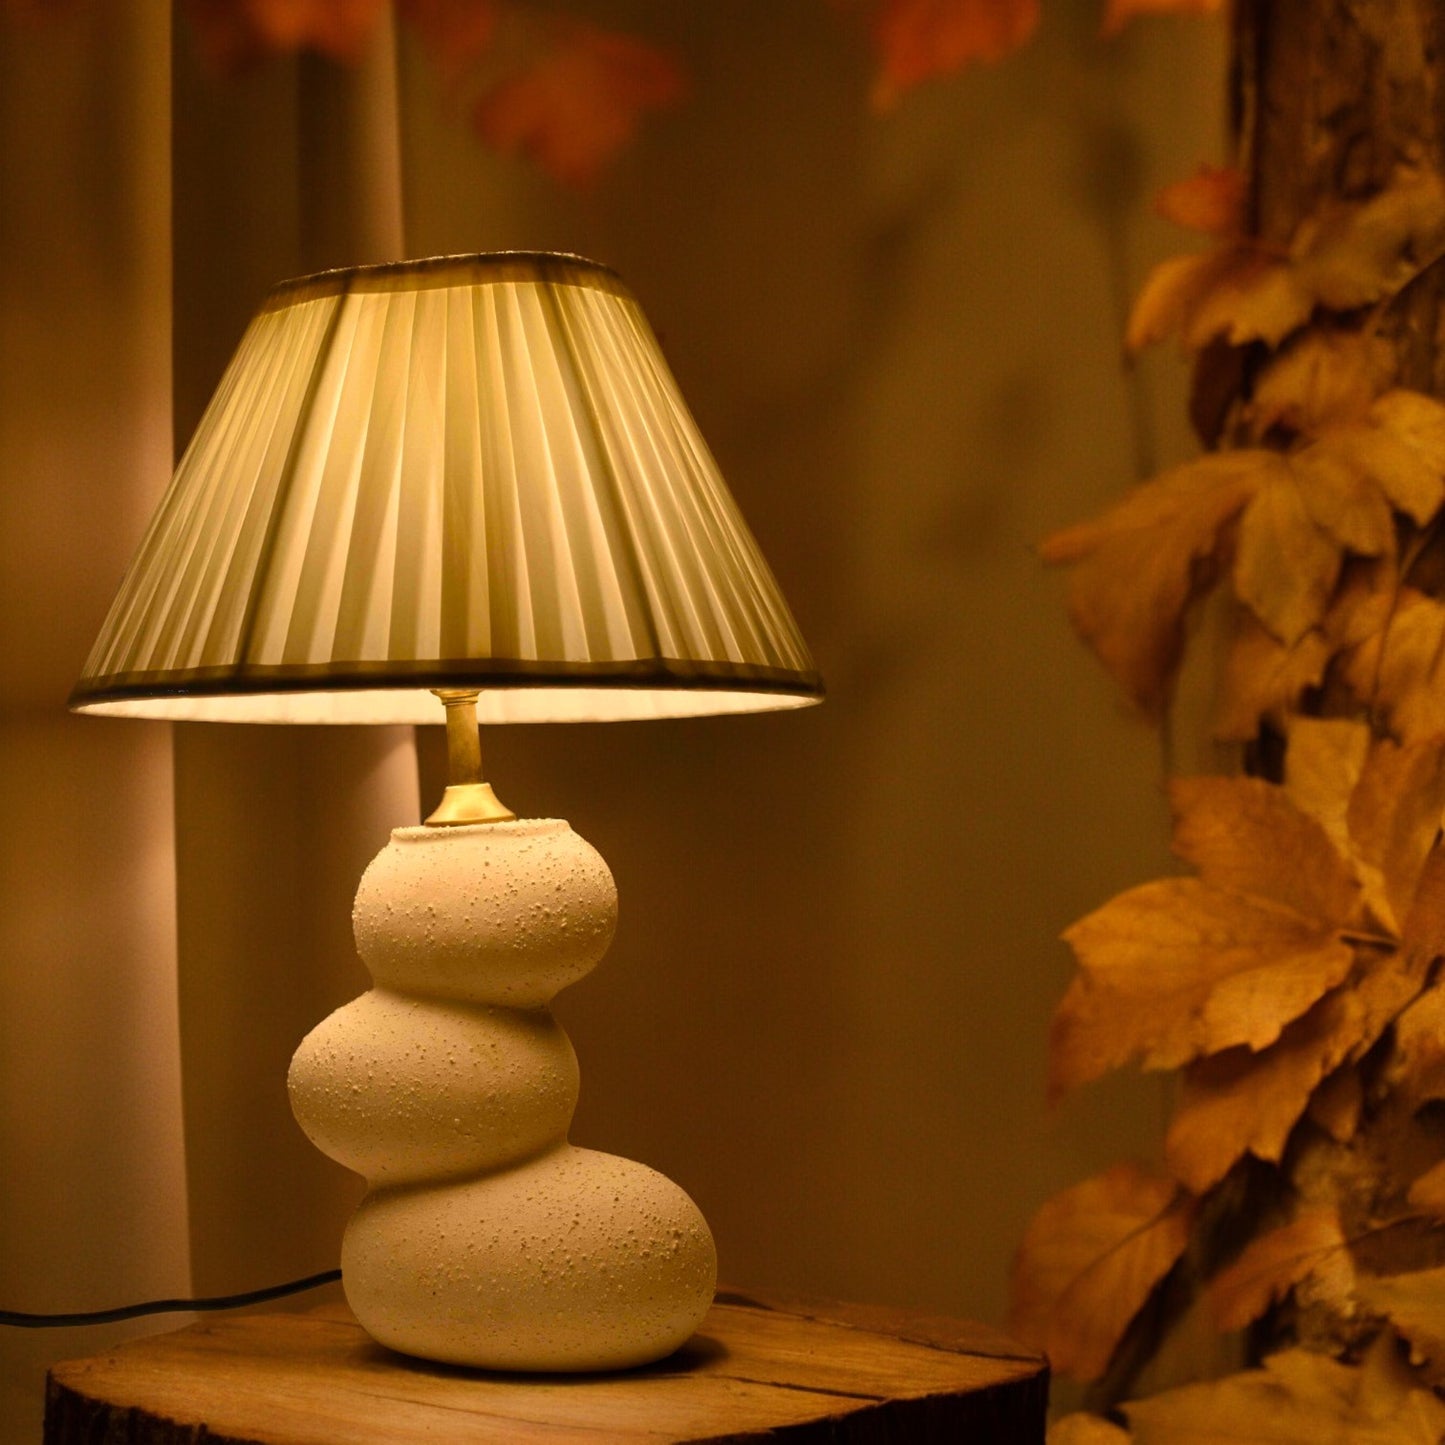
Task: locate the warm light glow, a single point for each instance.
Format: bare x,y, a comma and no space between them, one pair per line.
472,471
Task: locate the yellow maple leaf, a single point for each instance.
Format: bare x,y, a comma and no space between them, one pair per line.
1393,818
1082,1429
1090,1260
1337,1104
1427,1193
1414,1304
1399,671
1175,969
1418,1068
1312,1245
1322,766
1322,378
1286,565
1263,680
1353,255
1298,1398
1356,253
1400,446
1247,836
1239,1102
1135,571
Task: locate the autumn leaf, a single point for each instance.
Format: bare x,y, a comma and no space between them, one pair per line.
1262,680
1354,254
1393,819
1174,969
1135,570
1242,291
456,33
1298,1398
1118,13
918,40
1240,1102
1321,379
1182,967
1310,1245
1337,1104
577,104
1399,672
1414,1304
234,34
1427,1193
1210,201
1247,836
1418,1069
1401,448
1176,292
1082,1429
1323,764
1090,1260
1286,565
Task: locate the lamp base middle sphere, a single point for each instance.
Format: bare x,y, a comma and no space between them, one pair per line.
486,1239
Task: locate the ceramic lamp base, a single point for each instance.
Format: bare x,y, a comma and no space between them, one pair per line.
485,1238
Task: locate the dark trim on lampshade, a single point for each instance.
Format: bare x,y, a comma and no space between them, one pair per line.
552,268
672,674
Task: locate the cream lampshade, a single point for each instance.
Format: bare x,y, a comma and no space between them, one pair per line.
468,478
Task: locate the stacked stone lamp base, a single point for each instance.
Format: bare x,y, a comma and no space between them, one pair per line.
485,1238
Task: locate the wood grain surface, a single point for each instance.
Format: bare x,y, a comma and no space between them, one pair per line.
763,1367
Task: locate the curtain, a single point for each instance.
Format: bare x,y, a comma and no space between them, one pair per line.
176,903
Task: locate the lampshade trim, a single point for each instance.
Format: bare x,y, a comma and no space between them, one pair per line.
656,672
557,268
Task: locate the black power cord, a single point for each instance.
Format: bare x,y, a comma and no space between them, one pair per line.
166,1306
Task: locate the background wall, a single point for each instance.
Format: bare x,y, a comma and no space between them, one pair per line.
826,1008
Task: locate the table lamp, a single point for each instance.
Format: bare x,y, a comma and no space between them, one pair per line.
465,487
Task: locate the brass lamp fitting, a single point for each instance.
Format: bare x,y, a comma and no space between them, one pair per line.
467,798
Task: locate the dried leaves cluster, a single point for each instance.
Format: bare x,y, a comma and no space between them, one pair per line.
569,94
1292,975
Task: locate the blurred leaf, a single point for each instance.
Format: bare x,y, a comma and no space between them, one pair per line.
1310,1245
1082,1429
1399,672
1118,13
579,102
1298,1398
1324,378
1414,1304
456,33
1210,201
918,40
1089,1261
1135,570
234,34
1427,1193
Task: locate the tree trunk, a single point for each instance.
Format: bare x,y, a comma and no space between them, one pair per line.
1331,99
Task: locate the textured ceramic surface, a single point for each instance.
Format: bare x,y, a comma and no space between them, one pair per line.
486,1238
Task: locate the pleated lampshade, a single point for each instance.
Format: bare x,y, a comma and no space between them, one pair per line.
466,472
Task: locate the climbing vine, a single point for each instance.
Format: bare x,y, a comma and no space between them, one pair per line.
1290,979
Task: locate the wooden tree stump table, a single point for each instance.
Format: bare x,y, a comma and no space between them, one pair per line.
761,1368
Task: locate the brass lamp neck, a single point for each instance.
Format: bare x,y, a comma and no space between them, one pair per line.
467,798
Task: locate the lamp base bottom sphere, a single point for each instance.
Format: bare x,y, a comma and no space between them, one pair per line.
572,1261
